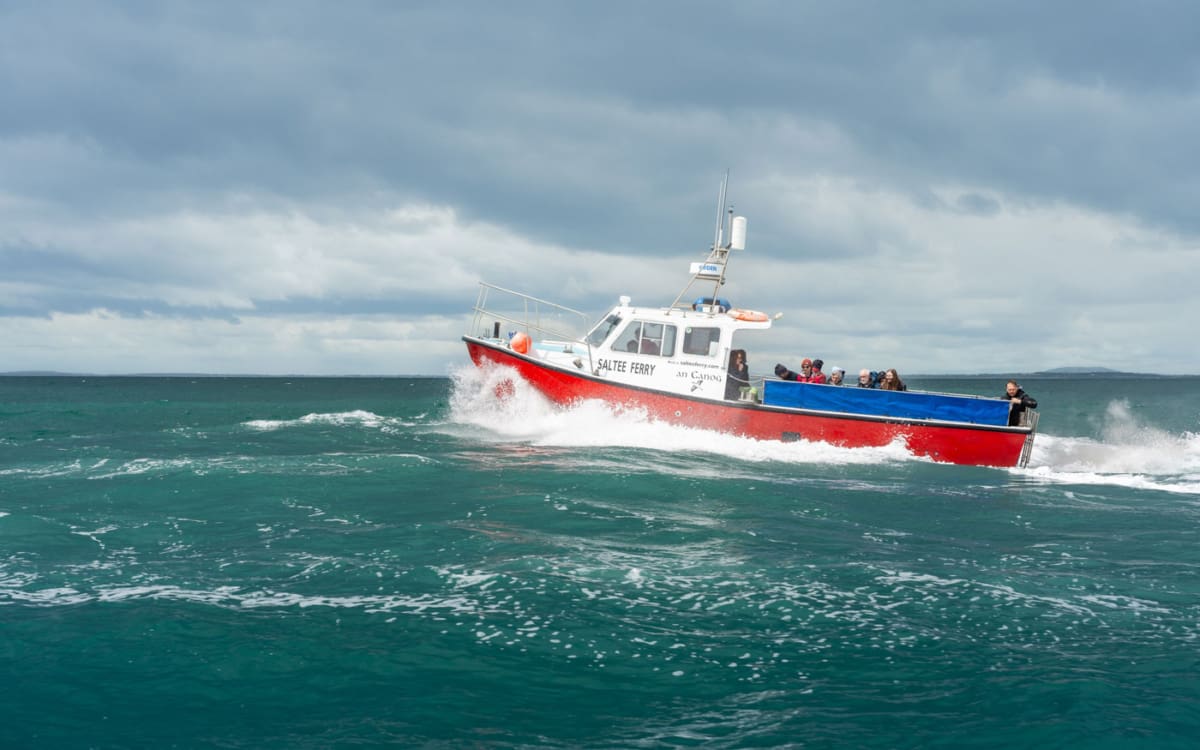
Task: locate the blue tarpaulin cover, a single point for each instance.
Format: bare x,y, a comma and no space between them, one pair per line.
900,404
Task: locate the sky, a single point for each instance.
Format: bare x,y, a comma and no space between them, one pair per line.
318,188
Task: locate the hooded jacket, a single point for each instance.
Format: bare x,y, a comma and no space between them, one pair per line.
1016,410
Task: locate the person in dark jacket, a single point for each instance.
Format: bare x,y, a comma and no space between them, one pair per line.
1020,401
804,376
739,375
890,381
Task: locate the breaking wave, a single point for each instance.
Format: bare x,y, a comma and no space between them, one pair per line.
357,418
1128,453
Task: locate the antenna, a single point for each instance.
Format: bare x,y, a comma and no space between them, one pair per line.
717,235
713,269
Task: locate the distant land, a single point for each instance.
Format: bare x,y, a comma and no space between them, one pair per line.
1060,373
1081,371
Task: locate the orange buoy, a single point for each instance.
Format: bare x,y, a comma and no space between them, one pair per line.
520,342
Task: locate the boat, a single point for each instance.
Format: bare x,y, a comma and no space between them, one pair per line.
672,364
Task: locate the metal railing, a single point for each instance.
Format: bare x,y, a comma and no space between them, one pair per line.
501,312
1029,418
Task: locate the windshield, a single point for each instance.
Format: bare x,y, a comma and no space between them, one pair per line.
646,338
602,329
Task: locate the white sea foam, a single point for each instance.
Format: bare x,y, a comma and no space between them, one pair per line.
139,466
1129,453
233,597
54,470
508,409
358,417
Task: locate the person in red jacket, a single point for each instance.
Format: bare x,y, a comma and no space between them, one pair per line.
810,372
815,375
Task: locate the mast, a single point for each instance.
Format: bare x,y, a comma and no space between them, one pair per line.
720,230
713,268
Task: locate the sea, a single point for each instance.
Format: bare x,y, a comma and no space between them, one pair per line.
233,562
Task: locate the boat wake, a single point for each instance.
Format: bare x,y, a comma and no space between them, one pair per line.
1127,453
509,409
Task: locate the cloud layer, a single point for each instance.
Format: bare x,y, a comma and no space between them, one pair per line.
309,188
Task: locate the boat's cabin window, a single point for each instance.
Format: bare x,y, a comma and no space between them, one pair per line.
602,329
702,341
647,338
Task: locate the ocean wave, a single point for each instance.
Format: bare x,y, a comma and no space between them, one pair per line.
358,417
1128,453
66,468
1126,445
323,464
232,597
700,609
140,466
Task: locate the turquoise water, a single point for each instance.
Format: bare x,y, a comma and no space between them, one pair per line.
313,563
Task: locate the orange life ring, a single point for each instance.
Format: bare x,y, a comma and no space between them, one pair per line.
520,342
752,316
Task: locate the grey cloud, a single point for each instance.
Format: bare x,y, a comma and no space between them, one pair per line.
590,128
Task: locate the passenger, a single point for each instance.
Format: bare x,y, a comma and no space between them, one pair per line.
806,371
739,375
891,381
836,376
866,378
784,373
1020,401
649,347
817,376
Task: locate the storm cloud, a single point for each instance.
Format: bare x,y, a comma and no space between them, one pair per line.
290,187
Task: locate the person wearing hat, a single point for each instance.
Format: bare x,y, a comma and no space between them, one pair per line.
817,376
810,372
836,376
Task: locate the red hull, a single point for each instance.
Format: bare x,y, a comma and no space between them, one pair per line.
967,444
